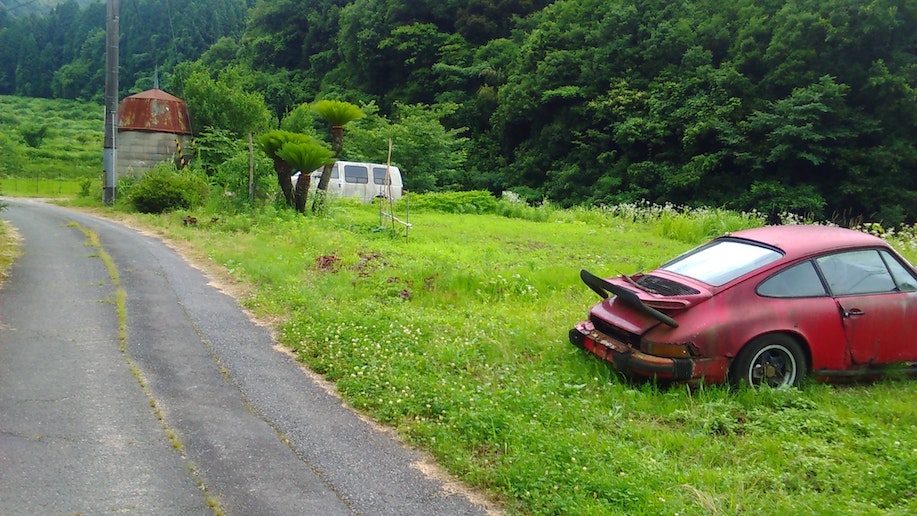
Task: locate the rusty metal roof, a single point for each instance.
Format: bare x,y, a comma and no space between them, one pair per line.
154,110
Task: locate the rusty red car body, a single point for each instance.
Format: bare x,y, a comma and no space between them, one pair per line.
761,306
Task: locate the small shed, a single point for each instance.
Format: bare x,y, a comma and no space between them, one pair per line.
153,126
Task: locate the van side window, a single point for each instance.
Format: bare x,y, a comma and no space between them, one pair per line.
356,174
318,173
379,176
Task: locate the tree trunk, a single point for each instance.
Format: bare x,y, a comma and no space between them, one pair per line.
302,191
337,139
285,179
337,144
326,177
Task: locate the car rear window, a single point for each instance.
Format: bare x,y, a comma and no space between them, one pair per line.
722,261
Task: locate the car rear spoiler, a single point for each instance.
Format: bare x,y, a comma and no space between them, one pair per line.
628,297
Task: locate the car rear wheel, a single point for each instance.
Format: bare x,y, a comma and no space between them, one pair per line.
772,360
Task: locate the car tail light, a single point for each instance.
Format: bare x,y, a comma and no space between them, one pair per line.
667,350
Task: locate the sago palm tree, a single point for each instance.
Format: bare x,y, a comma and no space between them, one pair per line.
337,113
306,157
271,142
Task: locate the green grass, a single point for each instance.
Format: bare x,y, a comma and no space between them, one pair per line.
457,338
9,247
70,152
42,187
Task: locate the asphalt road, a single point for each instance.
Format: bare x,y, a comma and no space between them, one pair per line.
195,409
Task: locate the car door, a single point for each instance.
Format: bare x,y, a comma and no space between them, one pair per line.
798,298
876,301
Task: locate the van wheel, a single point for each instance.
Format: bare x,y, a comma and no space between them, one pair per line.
773,360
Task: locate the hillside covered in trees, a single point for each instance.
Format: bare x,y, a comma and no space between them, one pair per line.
22,8
805,105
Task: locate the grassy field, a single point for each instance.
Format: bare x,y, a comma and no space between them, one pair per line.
457,338
48,188
49,145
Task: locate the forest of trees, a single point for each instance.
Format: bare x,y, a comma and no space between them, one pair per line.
807,106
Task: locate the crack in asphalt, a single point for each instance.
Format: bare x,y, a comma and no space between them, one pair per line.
120,302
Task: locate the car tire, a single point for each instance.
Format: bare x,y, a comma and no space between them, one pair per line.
775,360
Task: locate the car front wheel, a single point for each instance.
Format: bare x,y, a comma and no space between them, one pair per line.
772,360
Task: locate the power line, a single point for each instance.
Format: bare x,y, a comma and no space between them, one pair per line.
21,4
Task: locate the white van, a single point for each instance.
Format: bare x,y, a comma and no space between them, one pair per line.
364,181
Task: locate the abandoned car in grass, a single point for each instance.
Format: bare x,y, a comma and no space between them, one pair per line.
763,306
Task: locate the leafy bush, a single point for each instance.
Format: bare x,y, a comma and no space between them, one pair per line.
477,201
513,206
693,225
34,134
232,176
164,188
10,156
86,188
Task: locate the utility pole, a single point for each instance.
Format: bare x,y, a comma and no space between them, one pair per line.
109,153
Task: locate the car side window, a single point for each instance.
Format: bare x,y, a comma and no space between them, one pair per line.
856,272
904,278
797,281
356,174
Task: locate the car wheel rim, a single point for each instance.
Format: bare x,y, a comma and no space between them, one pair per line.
774,366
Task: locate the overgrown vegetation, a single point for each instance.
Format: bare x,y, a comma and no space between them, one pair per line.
163,189
9,246
65,156
804,106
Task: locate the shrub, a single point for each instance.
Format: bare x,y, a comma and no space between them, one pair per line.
477,201
34,134
164,188
513,206
232,176
85,188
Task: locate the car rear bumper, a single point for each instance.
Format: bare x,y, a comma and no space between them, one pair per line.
632,361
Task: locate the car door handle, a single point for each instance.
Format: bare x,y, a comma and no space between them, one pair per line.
855,312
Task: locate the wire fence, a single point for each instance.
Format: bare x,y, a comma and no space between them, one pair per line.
47,187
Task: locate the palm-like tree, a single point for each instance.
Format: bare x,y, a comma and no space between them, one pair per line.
337,113
306,157
271,142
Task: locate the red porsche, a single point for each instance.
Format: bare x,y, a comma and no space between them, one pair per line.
764,306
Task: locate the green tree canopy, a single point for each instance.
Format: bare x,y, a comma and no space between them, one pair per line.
304,156
220,103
